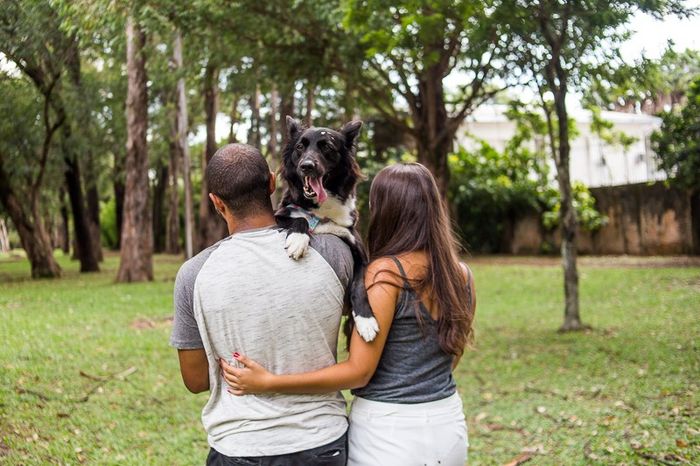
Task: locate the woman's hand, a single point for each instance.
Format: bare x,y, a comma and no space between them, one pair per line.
251,378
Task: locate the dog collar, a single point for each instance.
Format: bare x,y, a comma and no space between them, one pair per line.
312,219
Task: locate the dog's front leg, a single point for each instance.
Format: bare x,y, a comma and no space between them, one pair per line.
297,235
365,322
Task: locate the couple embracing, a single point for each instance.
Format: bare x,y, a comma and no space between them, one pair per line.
260,330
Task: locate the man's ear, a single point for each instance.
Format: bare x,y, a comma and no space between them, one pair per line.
293,128
350,131
218,203
272,184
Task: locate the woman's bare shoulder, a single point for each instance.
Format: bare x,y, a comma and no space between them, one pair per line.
383,269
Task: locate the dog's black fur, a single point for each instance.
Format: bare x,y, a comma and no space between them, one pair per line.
328,156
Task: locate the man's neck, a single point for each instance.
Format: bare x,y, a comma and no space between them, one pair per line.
249,223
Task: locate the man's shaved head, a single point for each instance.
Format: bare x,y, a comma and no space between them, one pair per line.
239,175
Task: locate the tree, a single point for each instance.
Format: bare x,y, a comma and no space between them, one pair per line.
210,224
182,148
25,143
557,45
408,49
648,85
137,235
31,36
677,143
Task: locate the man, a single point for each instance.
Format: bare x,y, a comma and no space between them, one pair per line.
244,294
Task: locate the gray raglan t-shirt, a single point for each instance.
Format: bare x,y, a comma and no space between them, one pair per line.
245,294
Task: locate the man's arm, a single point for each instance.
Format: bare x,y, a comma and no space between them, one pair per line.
194,369
185,336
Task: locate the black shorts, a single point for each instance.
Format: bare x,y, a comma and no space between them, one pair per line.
332,454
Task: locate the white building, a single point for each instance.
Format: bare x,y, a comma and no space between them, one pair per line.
593,161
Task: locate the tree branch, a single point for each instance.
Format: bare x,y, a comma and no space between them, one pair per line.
50,130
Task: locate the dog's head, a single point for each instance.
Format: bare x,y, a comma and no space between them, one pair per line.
317,161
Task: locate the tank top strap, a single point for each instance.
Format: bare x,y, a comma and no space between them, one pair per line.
406,283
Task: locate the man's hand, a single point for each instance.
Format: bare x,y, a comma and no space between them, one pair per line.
194,368
252,378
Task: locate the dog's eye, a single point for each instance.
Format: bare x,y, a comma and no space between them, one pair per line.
325,147
300,147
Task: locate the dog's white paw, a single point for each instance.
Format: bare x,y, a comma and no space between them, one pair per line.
367,327
297,245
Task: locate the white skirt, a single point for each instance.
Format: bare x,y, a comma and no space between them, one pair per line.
423,434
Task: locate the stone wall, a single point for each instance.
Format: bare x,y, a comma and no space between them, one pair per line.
643,219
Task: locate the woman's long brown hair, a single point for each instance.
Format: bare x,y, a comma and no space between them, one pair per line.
408,214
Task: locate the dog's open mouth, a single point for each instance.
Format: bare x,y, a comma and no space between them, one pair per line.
313,189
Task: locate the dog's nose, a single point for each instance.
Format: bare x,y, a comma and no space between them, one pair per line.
307,165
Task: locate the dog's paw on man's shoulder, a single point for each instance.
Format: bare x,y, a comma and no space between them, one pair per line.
296,245
367,327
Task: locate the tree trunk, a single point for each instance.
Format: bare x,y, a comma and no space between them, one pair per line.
310,94
172,234
32,233
234,120
567,213
429,121
272,145
211,226
274,158
93,205
4,237
159,190
136,262
286,108
254,132
89,244
84,244
65,234
118,187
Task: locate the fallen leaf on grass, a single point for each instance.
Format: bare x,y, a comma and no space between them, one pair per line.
520,459
635,444
680,443
501,427
535,449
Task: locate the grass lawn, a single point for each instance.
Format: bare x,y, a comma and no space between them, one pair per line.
87,376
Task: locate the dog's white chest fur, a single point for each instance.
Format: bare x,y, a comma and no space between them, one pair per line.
340,215
337,211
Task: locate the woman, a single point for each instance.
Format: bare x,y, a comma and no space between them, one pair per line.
406,409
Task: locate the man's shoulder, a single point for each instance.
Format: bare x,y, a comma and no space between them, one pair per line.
337,253
189,270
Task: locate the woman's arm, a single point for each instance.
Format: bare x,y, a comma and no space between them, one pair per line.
355,372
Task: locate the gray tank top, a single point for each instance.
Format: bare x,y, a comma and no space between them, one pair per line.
413,368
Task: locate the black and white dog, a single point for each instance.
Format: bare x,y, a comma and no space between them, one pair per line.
320,171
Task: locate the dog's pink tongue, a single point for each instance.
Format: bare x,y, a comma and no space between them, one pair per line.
317,186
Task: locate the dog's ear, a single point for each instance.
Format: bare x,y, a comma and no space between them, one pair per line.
293,128
350,131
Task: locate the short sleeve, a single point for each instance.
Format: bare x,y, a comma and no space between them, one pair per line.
185,334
